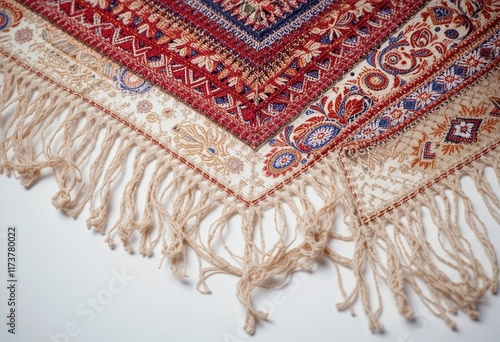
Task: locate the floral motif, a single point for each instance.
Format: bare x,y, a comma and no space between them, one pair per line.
375,80
246,80
307,53
474,62
406,55
234,165
208,145
144,106
424,96
436,89
320,136
260,13
336,23
463,130
23,35
280,162
292,147
347,106
334,112
448,78
131,83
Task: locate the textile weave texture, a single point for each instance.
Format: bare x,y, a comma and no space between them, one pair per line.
267,120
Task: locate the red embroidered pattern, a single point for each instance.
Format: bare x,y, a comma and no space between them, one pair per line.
252,95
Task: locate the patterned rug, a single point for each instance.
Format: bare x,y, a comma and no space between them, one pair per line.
267,120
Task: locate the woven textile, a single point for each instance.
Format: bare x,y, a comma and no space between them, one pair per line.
266,118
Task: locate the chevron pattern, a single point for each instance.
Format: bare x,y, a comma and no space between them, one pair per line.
251,90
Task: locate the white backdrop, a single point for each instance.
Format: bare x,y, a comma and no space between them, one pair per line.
72,287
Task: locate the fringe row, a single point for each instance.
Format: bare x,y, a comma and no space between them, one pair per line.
443,272
45,127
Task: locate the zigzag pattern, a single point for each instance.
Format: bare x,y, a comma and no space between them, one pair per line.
190,63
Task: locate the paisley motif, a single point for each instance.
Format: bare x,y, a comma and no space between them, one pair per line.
395,59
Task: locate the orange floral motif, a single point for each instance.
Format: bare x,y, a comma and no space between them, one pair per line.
465,128
441,128
490,125
473,111
449,149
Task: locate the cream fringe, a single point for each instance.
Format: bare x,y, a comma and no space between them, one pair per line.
46,127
